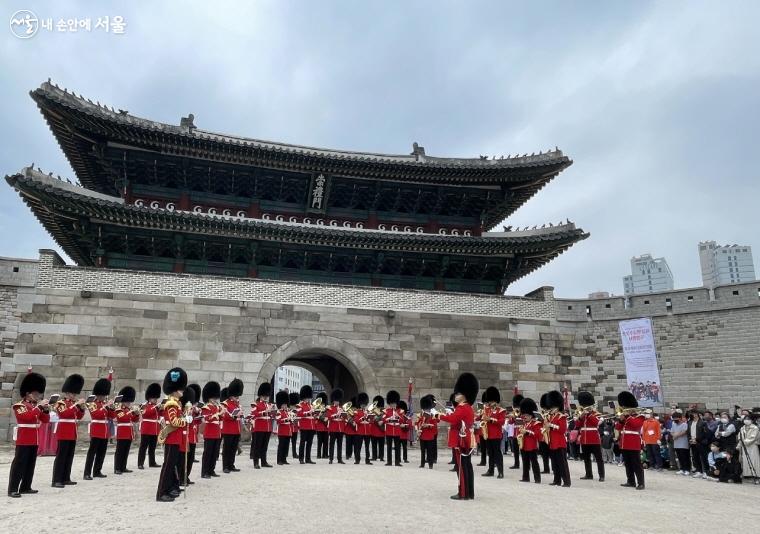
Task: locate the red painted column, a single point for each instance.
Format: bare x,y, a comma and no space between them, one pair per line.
254,210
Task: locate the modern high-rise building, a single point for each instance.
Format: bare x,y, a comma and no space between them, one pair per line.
648,275
291,378
725,264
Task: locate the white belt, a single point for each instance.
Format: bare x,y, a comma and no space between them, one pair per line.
67,421
589,428
123,424
630,432
98,422
28,425
262,417
150,420
213,422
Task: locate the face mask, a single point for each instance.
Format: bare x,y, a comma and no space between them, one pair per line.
714,449
724,420
648,416
747,422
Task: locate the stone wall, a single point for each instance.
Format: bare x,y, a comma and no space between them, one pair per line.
9,320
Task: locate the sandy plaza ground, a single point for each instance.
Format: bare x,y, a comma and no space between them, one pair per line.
362,498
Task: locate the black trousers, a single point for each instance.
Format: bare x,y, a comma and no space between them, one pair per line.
121,454
64,459
559,466
349,445
229,450
190,460
304,448
495,457
633,470
378,448
147,444
259,446
483,451
336,437
515,451
530,462
283,443
466,476
294,443
404,451
358,441
698,456
543,450
586,452
168,480
395,442
210,455
96,454
427,452
684,459
22,468
322,443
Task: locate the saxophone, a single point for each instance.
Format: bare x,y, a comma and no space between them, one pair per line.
485,415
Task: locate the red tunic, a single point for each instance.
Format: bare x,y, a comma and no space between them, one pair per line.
404,427
335,423
588,426
173,416
99,417
230,425
305,419
392,420
377,427
496,428
531,435
630,432
349,426
460,424
195,427
262,420
557,431
362,422
28,419
427,426
212,429
284,423
124,418
69,414
149,424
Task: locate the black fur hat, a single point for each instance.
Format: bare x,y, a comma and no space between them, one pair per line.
403,405
102,387
281,398
211,390
516,400
306,392
188,396
392,397
544,401
627,400
467,385
223,395
235,389
528,406
293,398
554,399
153,391
322,395
427,402
483,397
196,391
362,399
265,390
128,394
73,384
379,401
451,398
175,380
32,382
493,394
336,395
585,398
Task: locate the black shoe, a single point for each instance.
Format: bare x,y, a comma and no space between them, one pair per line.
331,462
430,466
301,462
487,474
554,483
87,477
515,467
640,487
234,469
341,462
99,475
627,485
357,462
214,475
601,479
457,497
311,462
127,471
117,472
14,494
165,498
566,485
58,485
422,465
226,471
452,463
524,480
399,465
154,465
388,464
368,462
453,469
500,475
286,463
141,467
586,478
266,465
190,482
69,483
256,466
174,494
205,476
406,461
28,492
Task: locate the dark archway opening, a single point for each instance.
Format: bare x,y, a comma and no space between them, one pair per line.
327,370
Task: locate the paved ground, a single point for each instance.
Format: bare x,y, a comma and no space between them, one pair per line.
351,498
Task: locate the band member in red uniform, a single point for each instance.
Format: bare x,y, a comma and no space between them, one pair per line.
261,420
556,423
150,412
404,426
293,399
427,431
320,427
363,429
285,423
305,425
529,438
591,442
30,411
174,386
494,418
335,424
391,421
516,422
70,411
188,436
378,430
462,419
478,432
194,429
452,437
349,430
543,445
629,425
231,425
126,415
101,412
212,429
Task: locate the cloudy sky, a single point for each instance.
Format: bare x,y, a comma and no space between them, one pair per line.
657,103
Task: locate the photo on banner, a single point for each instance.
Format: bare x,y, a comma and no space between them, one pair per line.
640,354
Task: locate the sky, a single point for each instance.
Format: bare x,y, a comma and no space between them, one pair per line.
657,103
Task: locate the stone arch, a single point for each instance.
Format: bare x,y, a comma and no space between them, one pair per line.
345,353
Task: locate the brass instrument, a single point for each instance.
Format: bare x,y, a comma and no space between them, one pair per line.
485,415
167,428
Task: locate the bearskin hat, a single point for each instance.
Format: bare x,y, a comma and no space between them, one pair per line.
322,395
196,391
483,397
379,401
32,382
467,385
362,399
585,398
528,405
427,402
153,391
188,396
211,390
392,397
543,401
175,380
293,398
402,404
281,398
235,389
306,392
73,384
336,395
627,400
265,390
516,400
493,394
128,394
554,399
223,395
102,387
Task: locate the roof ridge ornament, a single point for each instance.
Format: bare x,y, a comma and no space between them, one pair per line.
418,151
186,123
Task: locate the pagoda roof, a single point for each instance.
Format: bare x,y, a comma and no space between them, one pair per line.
56,203
78,123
